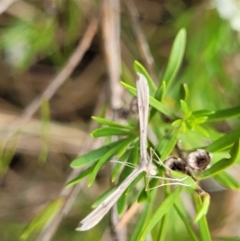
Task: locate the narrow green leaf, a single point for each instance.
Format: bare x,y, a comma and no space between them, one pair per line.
45,116
140,69
160,94
93,156
224,141
42,218
177,123
141,222
223,163
176,57
200,120
116,171
153,102
234,152
228,181
7,152
103,197
202,130
122,159
135,154
110,131
224,114
170,144
163,228
106,158
218,115
202,113
184,92
143,197
186,223
184,107
82,175
127,170
110,123
45,112
202,222
121,204
161,107
133,185
159,213
202,211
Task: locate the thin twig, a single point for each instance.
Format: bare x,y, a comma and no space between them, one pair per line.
56,82
128,215
69,194
111,37
141,39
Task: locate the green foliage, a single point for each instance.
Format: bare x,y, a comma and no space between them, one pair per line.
175,58
186,222
7,151
223,163
94,155
159,213
23,41
176,120
202,220
30,39
226,180
43,217
107,156
140,69
203,207
141,222
211,41
173,118
45,112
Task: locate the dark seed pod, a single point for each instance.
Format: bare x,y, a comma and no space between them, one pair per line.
176,164
198,160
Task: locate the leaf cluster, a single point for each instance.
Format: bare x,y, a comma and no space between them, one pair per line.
176,126
172,121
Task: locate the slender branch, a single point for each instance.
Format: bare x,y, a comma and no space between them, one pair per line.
141,39
128,215
57,81
69,194
111,37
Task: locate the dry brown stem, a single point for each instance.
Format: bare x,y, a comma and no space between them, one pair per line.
57,81
141,39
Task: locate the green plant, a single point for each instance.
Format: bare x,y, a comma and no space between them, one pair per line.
171,120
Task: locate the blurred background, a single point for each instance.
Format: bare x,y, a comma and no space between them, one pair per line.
61,62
